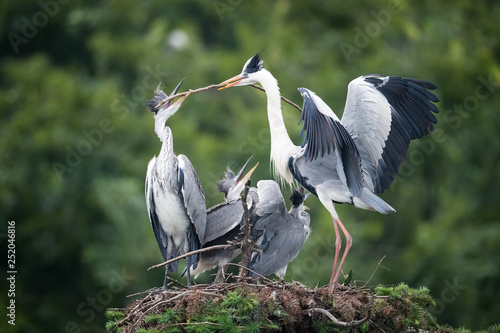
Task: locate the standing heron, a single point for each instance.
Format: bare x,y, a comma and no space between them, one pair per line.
174,196
347,161
223,223
281,234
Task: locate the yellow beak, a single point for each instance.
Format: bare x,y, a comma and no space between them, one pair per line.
231,82
245,178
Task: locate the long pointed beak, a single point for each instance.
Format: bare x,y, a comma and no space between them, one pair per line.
172,108
232,81
244,179
177,88
179,101
238,176
306,208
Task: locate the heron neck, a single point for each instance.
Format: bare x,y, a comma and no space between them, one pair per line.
281,145
166,156
275,116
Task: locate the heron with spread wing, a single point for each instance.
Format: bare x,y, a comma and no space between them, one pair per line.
348,160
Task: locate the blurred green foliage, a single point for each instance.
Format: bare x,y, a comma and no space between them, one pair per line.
75,140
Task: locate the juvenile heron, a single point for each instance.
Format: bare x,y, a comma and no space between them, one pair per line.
281,234
224,221
347,161
174,196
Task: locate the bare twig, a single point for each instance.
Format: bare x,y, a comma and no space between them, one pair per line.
174,281
165,100
376,268
337,321
200,323
340,322
250,270
215,247
286,100
247,244
118,323
142,292
214,86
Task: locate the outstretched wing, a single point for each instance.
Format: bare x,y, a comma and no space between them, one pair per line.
325,135
193,196
382,114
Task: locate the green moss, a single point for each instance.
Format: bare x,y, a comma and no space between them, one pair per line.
113,317
170,316
411,303
277,310
252,308
148,330
239,311
492,329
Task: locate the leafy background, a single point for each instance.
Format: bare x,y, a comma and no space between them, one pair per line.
75,140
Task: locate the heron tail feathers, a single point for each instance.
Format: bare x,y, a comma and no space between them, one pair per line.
374,202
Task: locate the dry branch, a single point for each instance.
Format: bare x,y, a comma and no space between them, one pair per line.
215,247
213,86
340,322
247,243
373,273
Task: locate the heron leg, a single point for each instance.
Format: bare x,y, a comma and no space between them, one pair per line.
165,278
348,239
221,272
338,245
189,262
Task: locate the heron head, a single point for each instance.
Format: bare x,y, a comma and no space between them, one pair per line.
154,104
233,184
250,74
298,209
297,197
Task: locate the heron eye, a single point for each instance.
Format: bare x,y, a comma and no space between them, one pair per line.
231,184
245,74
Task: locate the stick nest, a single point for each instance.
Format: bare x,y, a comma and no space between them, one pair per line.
275,306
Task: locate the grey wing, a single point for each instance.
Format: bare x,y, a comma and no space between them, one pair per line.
279,247
222,218
320,172
270,199
193,196
161,237
382,114
325,135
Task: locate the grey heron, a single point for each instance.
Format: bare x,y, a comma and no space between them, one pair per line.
174,196
281,234
351,160
224,221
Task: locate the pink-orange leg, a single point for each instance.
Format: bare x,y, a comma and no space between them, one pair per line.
338,245
338,242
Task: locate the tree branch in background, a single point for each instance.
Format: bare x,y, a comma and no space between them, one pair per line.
247,243
215,247
213,86
286,100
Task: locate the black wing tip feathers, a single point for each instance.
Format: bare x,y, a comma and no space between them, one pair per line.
378,81
412,112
